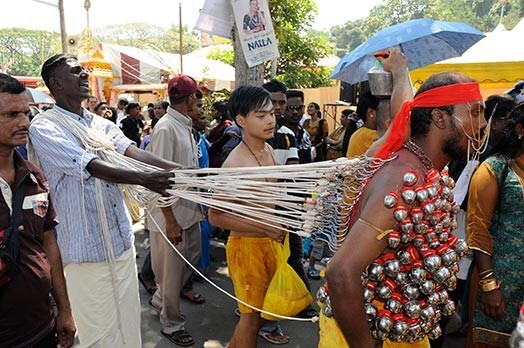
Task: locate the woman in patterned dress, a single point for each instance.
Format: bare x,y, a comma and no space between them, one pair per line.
495,231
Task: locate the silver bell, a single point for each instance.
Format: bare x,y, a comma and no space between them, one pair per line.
448,308
434,299
383,291
384,323
435,332
369,295
400,213
441,274
391,200
379,334
371,311
461,247
443,237
432,263
410,178
449,257
409,196
428,208
421,228
451,283
422,195
444,296
393,240
428,314
394,305
417,215
417,274
376,272
392,268
401,279
432,191
399,329
411,292
412,309
427,287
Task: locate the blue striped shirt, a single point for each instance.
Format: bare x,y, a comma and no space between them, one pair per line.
64,159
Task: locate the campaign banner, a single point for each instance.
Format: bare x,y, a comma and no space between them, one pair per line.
255,31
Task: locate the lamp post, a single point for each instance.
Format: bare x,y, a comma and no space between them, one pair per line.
180,36
63,33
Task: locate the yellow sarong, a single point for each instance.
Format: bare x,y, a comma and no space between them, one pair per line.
331,336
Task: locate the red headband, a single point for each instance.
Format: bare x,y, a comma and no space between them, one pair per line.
440,96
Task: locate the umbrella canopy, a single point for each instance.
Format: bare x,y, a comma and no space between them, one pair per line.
424,41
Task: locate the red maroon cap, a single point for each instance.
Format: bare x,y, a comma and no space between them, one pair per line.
181,86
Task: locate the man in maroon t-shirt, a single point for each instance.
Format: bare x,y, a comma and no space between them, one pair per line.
28,319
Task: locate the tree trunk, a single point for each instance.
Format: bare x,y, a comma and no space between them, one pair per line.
245,75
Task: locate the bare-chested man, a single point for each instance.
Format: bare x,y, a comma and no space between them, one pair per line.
250,256
442,120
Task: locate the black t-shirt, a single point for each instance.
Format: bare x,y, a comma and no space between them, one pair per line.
131,128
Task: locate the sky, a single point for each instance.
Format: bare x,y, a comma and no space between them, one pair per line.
33,14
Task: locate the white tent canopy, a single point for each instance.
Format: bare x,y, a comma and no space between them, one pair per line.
136,66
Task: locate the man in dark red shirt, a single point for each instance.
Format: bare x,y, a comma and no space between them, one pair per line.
28,319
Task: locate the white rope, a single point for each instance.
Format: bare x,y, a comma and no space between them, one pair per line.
197,271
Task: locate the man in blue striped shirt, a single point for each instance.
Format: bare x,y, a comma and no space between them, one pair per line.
100,269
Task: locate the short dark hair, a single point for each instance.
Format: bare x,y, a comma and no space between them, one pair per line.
99,105
499,106
131,106
511,146
123,101
275,86
222,108
248,98
177,100
9,84
52,64
294,93
421,117
366,101
165,105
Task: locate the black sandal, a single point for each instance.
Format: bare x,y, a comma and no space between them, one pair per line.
178,337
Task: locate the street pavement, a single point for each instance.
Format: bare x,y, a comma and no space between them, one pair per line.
212,323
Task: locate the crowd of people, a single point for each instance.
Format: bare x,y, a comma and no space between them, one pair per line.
67,255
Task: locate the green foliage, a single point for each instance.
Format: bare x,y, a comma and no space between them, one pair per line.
482,14
223,55
147,36
27,50
300,47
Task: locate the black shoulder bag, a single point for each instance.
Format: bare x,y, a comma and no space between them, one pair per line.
10,239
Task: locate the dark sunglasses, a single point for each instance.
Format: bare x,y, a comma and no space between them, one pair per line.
294,107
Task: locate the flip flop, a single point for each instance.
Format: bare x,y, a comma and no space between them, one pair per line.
177,338
196,298
269,336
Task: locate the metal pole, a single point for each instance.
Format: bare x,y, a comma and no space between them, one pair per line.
63,33
180,38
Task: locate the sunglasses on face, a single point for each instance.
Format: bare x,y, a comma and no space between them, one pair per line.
293,108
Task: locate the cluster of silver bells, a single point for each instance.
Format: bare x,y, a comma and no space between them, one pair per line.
406,288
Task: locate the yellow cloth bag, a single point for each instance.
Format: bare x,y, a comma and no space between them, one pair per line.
287,294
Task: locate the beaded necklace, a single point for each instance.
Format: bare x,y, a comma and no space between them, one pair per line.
417,151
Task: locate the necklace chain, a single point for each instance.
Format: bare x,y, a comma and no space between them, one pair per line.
417,151
256,158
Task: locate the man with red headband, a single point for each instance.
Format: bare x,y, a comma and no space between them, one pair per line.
399,257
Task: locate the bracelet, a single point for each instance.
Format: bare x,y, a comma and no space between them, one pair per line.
488,285
487,276
481,274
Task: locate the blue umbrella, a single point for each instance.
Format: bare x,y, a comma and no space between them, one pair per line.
424,41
